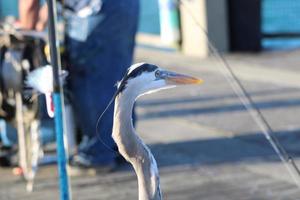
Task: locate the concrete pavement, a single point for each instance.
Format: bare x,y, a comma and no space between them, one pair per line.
206,144
211,127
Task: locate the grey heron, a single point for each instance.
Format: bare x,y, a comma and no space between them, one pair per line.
140,79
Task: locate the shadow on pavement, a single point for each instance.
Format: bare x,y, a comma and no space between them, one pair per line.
252,147
262,105
161,102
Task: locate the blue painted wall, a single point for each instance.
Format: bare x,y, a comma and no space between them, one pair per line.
8,7
149,17
281,16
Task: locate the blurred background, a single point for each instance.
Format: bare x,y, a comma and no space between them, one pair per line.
206,143
232,25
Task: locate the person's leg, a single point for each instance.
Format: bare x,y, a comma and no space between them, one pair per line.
100,62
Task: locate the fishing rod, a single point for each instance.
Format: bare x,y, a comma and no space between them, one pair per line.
57,96
249,104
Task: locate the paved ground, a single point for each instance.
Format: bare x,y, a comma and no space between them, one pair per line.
206,144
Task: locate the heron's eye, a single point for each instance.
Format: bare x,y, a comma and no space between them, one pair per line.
157,74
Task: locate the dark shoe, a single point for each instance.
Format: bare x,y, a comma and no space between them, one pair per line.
79,165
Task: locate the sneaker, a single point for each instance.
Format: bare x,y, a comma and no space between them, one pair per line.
79,166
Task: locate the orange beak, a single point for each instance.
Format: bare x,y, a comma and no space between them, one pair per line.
181,79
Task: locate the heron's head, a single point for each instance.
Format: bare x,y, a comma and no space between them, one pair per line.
143,78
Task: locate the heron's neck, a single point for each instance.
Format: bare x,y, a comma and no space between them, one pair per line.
123,131
132,148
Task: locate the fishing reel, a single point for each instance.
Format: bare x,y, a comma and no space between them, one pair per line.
20,53
24,118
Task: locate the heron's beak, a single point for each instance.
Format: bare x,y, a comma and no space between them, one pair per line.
180,79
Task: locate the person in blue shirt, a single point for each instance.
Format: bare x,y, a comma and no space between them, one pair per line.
100,39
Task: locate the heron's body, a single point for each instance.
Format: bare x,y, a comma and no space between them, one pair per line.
140,79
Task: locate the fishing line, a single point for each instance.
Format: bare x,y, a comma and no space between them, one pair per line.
118,85
99,120
249,104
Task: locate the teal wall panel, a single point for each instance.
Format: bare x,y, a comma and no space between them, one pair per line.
149,17
8,7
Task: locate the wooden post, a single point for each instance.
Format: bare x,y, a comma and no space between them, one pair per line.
211,15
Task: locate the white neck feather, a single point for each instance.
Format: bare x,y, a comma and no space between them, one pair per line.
132,148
